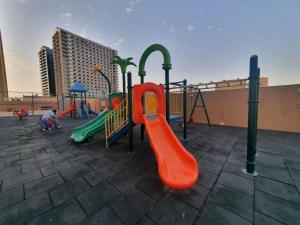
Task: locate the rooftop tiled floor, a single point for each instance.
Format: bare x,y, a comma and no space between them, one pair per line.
46,179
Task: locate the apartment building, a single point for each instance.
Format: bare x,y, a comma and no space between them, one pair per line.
47,71
74,58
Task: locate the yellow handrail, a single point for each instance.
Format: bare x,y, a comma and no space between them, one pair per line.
116,120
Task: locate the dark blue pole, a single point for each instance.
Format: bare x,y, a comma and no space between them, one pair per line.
130,119
167,95
142,125
252,114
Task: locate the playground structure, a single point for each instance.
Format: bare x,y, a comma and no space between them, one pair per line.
116,125
96,125
83,109
177,168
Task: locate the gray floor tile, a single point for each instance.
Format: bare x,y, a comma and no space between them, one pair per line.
97,197
282,190
195,196
210,166
98,175
277,208
68,190
11,197
215,215
103,217
21,179
42,185
206,178
127,178
75,171
152,186
261,219
238,203
131,205
68,213
54,168
171,210
25,210
237,183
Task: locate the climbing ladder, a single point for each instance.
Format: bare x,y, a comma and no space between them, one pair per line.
116,123
199,93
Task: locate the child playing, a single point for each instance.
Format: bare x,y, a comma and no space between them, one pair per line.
49,118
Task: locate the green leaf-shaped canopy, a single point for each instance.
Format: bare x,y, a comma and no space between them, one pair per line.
123,63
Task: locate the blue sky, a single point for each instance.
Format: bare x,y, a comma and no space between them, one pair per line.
208,39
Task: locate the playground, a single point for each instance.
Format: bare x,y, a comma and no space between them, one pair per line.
144,160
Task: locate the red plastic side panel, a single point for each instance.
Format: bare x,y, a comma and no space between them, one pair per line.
67,111
138,92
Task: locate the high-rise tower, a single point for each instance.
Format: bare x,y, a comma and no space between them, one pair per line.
3,81
47,71
74,58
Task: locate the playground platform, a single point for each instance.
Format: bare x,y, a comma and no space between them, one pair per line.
46,179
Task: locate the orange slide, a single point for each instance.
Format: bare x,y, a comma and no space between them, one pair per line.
68,110
176,166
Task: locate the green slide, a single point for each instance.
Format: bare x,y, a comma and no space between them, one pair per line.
90,128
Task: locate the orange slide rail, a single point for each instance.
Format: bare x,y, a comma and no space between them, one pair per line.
177,168
68,110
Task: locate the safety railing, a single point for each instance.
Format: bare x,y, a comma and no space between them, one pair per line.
116,120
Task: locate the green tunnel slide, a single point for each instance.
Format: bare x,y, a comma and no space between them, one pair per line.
89,129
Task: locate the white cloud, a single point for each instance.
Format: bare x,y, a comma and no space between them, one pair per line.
190,28
24,1
171,28
89,8
163,23
66,16
209,27
129,10
130,5
220,29
118,41
104,13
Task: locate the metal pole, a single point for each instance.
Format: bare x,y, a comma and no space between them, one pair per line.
63,102
167,95
75,105
256,105
252,114
142,125
206,114
106,78
130,120
184,108
124,85
32,103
